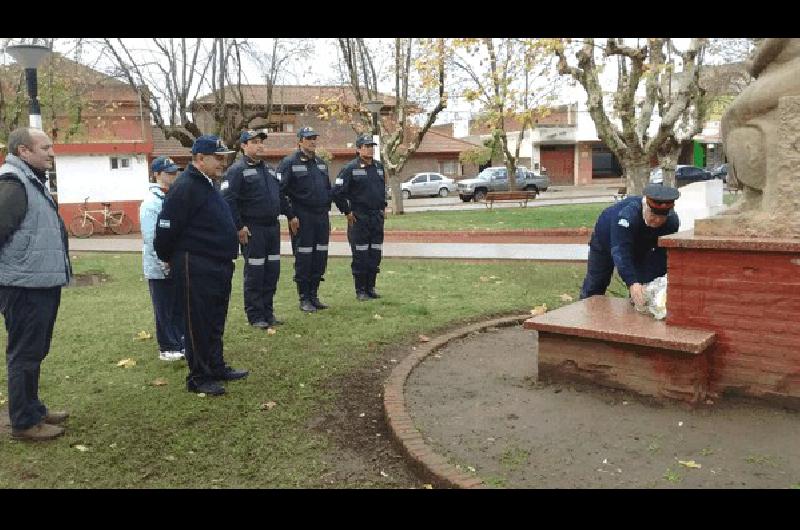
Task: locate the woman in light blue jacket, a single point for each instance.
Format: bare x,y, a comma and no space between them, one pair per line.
166,306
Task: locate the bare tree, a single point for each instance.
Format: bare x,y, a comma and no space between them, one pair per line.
649,91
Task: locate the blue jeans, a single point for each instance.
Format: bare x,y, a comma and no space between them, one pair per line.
168,312
30,315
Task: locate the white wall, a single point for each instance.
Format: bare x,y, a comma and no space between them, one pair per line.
79,176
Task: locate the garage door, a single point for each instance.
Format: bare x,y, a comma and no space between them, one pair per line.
560,163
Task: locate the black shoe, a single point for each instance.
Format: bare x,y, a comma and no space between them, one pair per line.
307,306
211,388
274,322
362,296
319,305
260,324
372,294
231,374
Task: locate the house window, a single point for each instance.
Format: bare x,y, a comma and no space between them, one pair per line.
118,162
450,167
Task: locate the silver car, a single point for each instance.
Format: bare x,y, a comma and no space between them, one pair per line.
428,185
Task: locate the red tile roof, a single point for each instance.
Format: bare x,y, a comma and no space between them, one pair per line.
171,147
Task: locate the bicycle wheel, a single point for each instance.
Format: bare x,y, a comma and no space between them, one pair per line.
81,227
121,224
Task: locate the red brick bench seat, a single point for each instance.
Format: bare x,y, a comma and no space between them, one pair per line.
605,340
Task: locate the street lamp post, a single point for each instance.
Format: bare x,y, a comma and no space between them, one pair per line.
29,56
375,107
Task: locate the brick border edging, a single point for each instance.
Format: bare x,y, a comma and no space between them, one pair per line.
411,442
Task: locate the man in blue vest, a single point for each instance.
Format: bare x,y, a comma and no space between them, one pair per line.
196,236
34,265
252,190
360,194
304,180
626,237
167,308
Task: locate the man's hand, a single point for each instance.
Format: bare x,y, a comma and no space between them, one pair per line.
244,235
637,294
351,219
294,225
165,267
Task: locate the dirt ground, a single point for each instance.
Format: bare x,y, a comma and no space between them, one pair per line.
478,402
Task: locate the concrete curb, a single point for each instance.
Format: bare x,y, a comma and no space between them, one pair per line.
430,465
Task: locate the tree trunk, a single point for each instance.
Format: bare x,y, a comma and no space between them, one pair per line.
637,174
397,192
667,164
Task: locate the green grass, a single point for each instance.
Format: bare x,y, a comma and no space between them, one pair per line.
560,216
142,435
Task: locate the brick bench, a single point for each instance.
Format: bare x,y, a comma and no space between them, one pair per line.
522,197
606,341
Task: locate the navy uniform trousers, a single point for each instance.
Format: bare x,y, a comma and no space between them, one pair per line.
600,268
262,269
310,247
204,286
30,315
366,241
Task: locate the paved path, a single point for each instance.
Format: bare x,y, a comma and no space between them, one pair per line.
513,251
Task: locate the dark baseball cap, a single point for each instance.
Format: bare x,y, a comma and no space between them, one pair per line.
249,134
208,144
306,132
365,139
661,199
164,164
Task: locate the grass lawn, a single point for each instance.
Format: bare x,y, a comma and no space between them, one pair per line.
559,216
128,431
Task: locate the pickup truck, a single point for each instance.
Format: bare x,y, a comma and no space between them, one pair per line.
496,179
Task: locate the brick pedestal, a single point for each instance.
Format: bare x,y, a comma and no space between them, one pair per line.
747,291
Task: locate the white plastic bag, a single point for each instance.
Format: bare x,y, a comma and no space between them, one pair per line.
655,295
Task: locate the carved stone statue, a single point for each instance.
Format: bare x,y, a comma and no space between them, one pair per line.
761,135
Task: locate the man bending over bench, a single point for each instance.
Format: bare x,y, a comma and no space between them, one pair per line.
626,237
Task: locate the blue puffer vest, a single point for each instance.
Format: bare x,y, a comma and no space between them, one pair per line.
36,255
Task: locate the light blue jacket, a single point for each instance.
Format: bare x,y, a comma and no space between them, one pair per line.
148,214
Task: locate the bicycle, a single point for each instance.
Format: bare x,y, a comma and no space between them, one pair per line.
82,225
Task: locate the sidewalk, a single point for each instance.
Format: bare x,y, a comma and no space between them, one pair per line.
509,251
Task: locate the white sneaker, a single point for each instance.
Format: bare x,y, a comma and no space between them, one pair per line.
170,355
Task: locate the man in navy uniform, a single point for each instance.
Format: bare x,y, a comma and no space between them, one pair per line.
196,235
252,190
626,237
360,194
304,180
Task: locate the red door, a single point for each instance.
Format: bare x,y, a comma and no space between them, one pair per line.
560,163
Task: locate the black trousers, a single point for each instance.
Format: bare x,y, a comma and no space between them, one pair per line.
30,315
366,242
310,246
204,287
168,311
262,269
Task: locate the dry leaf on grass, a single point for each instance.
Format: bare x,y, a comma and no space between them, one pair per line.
423,338
376,316
428,486
539,310
691,464
269,405
484,278
159,382
143,335
81,448
127,363
271,331
566,298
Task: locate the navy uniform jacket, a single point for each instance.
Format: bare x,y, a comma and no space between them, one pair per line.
252,191
360,187
305,182
195,218
621,231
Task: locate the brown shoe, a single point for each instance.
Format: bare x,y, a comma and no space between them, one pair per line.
55,418
38,433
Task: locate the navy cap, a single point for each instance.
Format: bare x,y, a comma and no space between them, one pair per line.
661,199
164,164
248,135
365,139
306,132
208,144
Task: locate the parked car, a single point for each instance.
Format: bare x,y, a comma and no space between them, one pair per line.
427,185
720,172
683,175
496,179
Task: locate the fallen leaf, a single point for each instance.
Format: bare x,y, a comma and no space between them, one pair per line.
361,415
494,278
127,363
297,335
423,338
471,468
143,335
539,310
170,458
566,298
384,474
271,331
391,272
376,316
680,424
113,446
201,394
484,278
159,382
690,464
81,448
428,486
269,405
